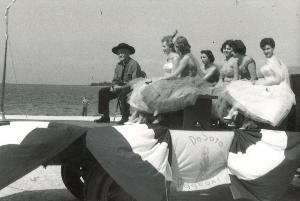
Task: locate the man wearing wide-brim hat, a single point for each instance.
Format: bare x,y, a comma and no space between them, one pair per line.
126,70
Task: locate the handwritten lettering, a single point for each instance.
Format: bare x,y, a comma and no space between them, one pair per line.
204,138
203,184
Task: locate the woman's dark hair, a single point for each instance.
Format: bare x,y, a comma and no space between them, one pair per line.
209,54
182,45
267,41
169,41
227,42
239,47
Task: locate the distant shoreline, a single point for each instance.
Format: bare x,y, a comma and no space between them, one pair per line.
294,69
101,84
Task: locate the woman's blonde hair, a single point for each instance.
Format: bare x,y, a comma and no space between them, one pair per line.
169,40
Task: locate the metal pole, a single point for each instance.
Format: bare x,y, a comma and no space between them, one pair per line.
2,113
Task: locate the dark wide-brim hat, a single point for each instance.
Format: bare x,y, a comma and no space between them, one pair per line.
123,46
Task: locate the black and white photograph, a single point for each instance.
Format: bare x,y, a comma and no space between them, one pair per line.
150,100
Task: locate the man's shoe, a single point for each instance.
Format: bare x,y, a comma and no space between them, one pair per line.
102,120
122,121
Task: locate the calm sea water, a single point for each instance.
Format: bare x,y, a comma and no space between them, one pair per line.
56,100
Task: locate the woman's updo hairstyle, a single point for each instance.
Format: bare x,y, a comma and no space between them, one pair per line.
169,40
227,42
239,47
209,55
267,41
182,45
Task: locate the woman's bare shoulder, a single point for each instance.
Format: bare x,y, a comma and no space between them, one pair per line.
173,55
248,59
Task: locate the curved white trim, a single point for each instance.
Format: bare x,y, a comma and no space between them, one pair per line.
259,158
16,131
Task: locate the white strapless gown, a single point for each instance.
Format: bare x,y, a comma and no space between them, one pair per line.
267,104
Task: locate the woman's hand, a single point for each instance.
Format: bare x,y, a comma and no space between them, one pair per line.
148,82
114,88
261,81
165,78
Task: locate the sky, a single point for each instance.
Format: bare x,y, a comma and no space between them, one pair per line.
70,41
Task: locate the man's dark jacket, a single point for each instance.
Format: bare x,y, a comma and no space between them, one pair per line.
131,69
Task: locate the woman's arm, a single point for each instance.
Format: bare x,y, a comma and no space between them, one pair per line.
235,68
209,72
221,77
252,70
272,79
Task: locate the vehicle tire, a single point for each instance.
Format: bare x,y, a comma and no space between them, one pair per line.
73,178
101,187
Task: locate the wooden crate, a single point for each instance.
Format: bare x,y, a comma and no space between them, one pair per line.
196,117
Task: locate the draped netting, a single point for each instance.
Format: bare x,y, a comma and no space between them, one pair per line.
162,96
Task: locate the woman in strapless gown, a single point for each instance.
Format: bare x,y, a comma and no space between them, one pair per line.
246,64
211,70
138,85
228,73
269,99
177,89
172,60
243,68
136,97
